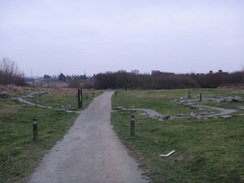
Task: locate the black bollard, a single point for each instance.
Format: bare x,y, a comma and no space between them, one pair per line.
132,125
35,129
79,98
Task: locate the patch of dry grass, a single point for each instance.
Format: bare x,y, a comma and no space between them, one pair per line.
12,90
8,110
60,88
57,90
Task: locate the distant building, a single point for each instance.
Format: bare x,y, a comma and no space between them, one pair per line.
219,72
122,70
135,72
155,72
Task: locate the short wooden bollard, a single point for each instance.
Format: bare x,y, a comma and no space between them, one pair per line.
79,97
115,94
189,95
93,94
200,96
132,125
35,129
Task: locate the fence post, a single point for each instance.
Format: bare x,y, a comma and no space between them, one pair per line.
35,129
189,95
132,125
200,96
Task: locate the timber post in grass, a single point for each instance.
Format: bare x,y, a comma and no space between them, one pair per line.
200,96
79,97
93,94
35,129
189,95
132,125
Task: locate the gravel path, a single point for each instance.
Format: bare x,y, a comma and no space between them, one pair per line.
90,152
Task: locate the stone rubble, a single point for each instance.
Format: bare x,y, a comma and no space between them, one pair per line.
147,113
241,107
207,112
3,95
24,100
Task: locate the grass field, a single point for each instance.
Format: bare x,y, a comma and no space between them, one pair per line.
206,150
19,153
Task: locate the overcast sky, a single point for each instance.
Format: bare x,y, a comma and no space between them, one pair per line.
93,36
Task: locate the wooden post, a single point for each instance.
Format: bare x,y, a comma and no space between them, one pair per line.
115,93
200,96
79,98
93,94
189,95
35,129
132,125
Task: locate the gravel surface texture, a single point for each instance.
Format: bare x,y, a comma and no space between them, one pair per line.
90,152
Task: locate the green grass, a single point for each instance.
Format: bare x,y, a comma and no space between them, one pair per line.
19,153
209,150
60,100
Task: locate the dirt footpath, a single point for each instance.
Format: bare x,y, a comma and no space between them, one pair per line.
90,152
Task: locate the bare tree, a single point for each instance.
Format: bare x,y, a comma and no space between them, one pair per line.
9,73
74,82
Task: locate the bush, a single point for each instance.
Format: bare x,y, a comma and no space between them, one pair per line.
74,82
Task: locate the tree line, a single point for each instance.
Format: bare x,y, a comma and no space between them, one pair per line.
160,80
10,74
74,81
